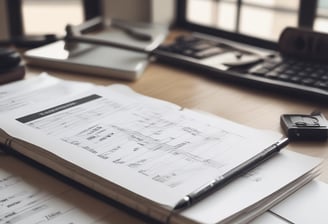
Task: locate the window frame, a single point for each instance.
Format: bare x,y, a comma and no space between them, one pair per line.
306,17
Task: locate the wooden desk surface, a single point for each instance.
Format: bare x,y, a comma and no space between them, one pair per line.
195,90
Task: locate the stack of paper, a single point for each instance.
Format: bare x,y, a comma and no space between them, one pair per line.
146,153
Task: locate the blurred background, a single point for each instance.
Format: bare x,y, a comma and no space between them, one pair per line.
261,18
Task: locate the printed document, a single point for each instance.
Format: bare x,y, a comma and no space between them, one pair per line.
140,151
137,142
30,196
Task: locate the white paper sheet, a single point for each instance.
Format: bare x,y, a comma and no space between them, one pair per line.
307,205
29,196
43,88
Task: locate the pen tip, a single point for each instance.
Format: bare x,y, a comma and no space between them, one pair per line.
184,202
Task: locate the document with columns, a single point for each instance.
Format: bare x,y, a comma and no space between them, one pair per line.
143,152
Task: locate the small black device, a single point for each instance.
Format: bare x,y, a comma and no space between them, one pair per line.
11,65
305,127
9,58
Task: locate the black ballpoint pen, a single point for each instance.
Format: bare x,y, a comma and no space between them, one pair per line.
221,181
